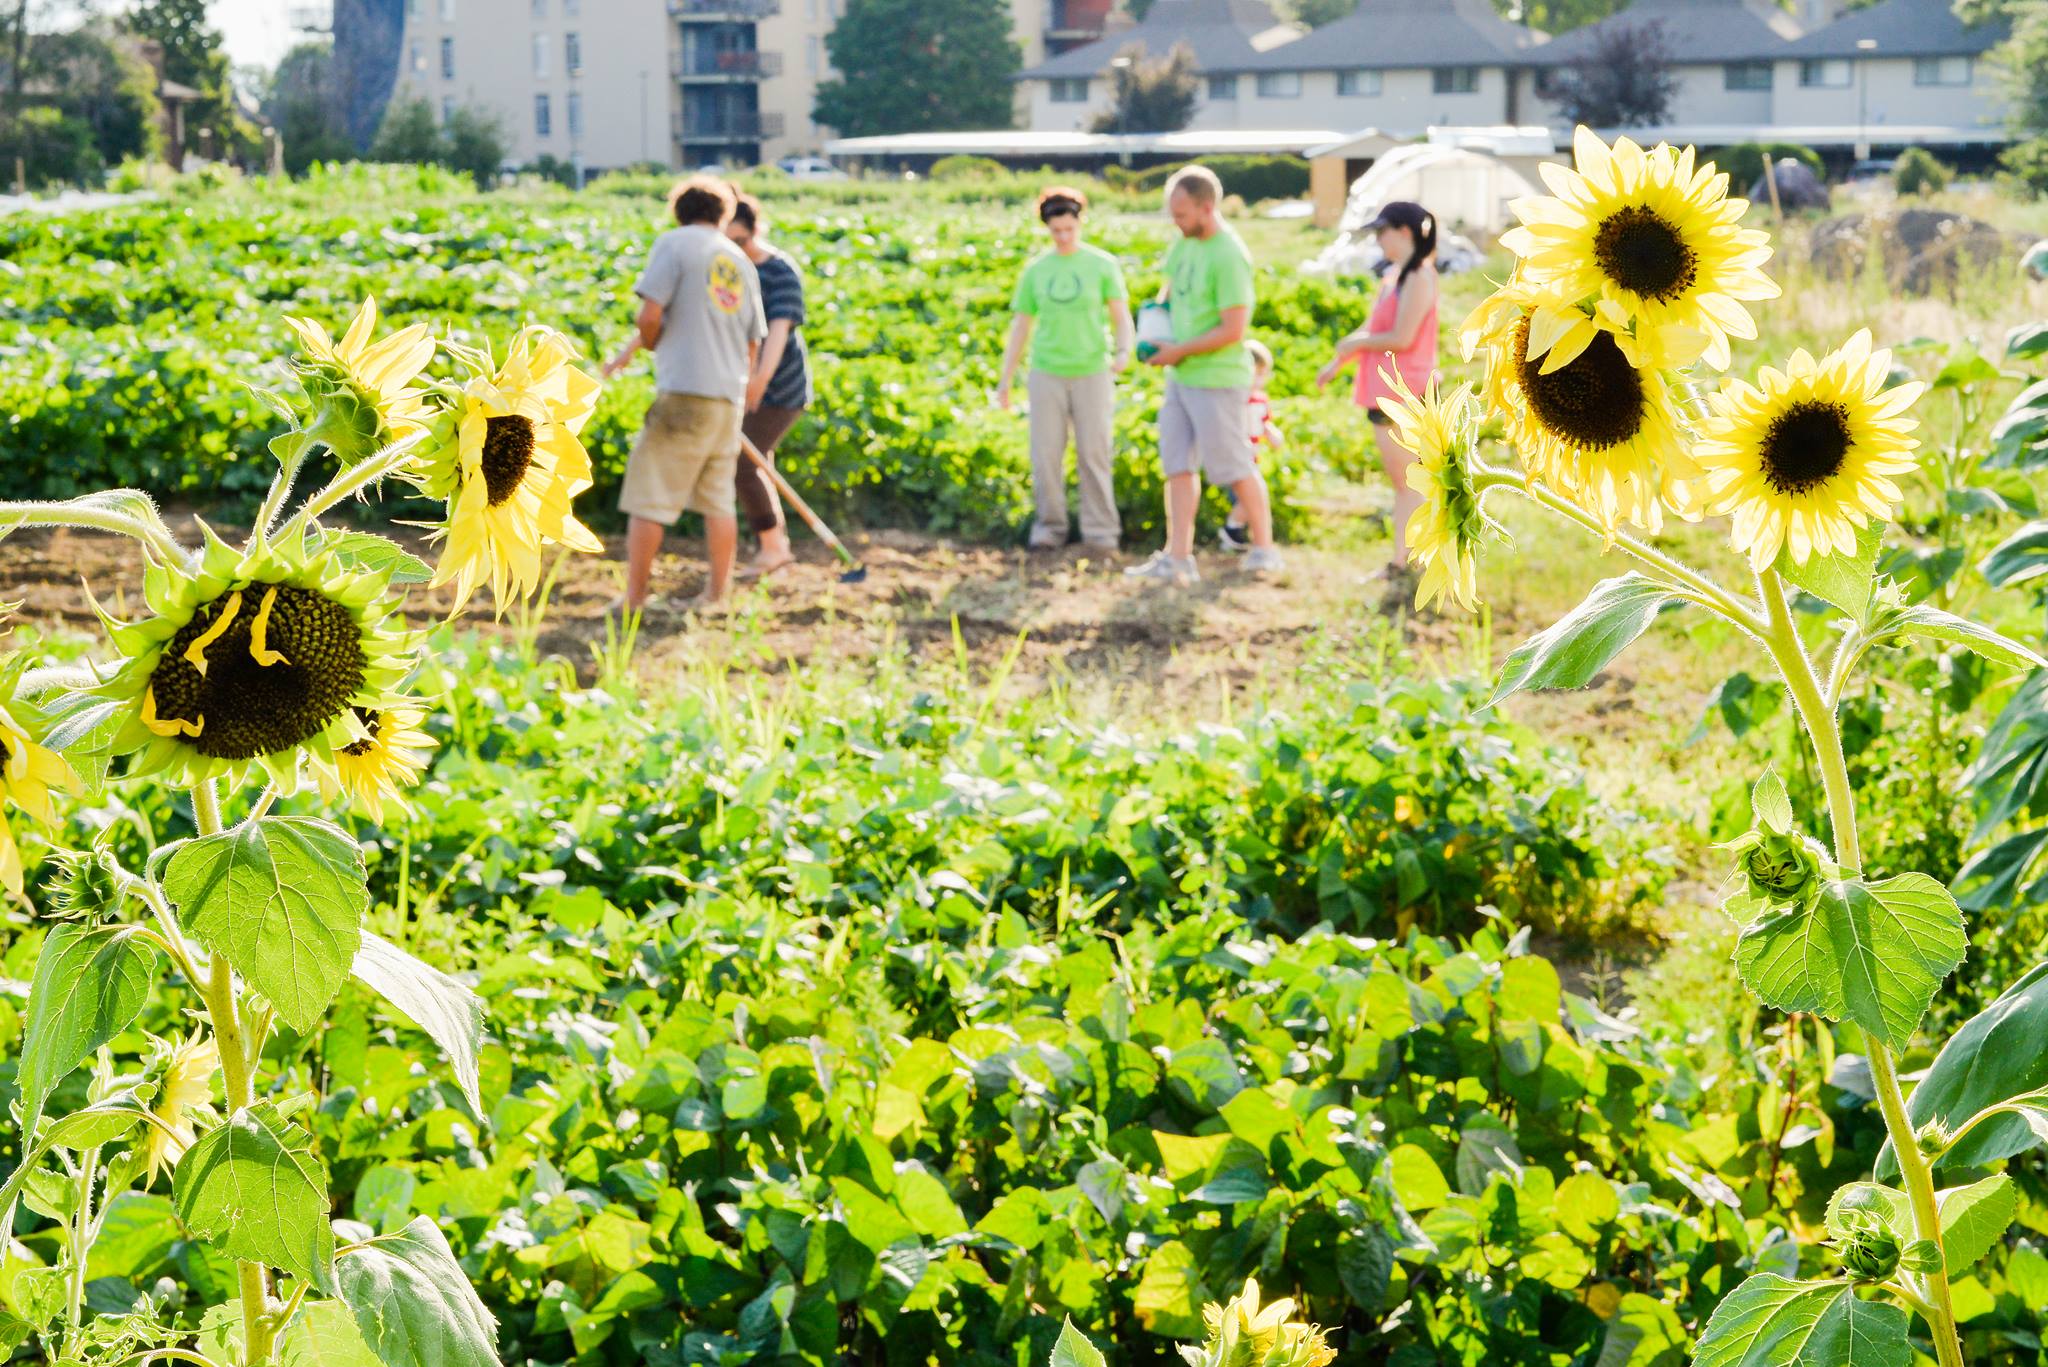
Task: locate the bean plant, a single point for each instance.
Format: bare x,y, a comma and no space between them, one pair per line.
1629,281
249,673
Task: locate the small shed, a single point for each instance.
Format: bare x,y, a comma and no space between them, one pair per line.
1332,167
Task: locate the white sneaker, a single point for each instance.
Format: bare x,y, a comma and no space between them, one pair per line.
1263,560
1161,566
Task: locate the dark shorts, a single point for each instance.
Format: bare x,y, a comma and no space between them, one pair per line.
765,427
1377,418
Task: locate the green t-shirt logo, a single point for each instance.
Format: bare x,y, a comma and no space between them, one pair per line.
1069,297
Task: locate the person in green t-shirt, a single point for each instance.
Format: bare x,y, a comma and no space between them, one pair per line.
1066,300
1209,294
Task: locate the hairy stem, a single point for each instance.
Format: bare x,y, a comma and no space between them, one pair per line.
1790,656
81,1237
236,1071
16,513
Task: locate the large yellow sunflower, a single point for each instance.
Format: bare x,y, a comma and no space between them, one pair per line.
1805,458
251,659
1650,232
187,1083
362,389
389,754
1598,429
1444,532
509,465
1243,1333
28,771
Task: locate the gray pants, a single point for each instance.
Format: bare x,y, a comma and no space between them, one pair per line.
1083,406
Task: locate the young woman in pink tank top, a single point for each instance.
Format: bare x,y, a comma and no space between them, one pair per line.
1399,338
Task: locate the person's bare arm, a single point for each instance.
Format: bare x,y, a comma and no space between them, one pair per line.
1229,330
1126,333
1013,352
770,358
646,332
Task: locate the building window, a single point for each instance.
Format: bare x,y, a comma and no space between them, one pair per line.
1223,87
1070,90
1942,70
1454,80
540,9
811,55
572,9
575,114
419,58
447,108
540,55
543,117
412,9
1746,76
1825,71
572,53
1358,83
447,59
447,11
1279,85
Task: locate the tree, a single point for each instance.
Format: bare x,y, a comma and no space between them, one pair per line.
2022,65
908,66
408,133
1316,13
193,56
1622,80
96,77
1556,16
475,143
1155,95
304,105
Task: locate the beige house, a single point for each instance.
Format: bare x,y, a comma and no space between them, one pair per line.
684,83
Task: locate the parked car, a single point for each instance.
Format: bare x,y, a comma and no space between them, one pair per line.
1877,168
810,168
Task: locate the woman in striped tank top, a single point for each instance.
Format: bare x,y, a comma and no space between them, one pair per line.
1399,338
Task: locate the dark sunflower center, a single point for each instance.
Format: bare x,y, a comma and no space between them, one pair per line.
245,708
371,721
1804,446
508,451
1640,251
1593,403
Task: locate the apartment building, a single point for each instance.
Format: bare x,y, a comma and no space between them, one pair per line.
609,83
1894,73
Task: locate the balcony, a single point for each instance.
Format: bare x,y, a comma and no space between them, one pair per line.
722,125
720,11
1073,22
707,66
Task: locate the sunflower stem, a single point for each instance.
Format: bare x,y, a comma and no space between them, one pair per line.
1701,589
357,478
18,513
81,1237
1789,654
237,1075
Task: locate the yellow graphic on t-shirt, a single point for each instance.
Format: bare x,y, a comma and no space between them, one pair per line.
727,290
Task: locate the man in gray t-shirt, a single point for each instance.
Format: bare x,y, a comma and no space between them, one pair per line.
701,316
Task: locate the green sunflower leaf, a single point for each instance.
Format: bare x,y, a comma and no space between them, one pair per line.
1842,580
1771,1321
451,1014
1569,652
1973,1218
412,1302
1933,623
90,982
283,898
1872,953
254,1188
1074,1350
371,554
1998,1057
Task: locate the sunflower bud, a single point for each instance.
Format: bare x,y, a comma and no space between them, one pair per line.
1869,1251
82,886
1781,868
344,419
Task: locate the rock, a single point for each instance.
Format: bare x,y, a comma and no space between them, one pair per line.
1920,250
1798,187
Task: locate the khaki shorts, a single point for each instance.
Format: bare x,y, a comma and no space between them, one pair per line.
683,460
1205,428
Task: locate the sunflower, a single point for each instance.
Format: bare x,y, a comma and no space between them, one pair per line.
1445,531
361,389
390,753
1598,429
1244,1333
251,659
1651,233
187,1084
28,771
1805,458
508,463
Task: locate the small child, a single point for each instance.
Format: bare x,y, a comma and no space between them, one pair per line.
1258,422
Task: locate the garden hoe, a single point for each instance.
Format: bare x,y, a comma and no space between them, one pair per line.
855,572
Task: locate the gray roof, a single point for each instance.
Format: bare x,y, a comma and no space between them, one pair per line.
1693,30
1901,28
1219,31
1383,34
